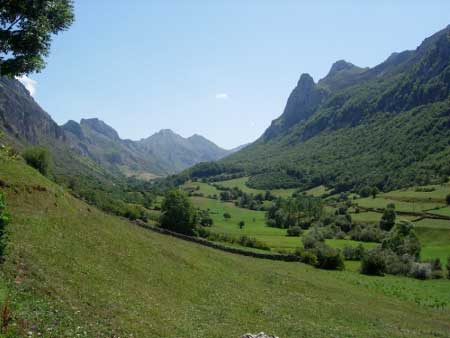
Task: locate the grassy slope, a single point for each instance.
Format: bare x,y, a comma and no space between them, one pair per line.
72,269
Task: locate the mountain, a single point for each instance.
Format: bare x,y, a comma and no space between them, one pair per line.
386,126
181,152
95,139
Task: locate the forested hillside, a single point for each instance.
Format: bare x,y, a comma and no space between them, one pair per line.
386,126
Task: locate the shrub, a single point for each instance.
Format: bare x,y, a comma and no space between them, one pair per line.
329,258
294,231
373,263
306,256
367,233
226,215
205,218
398,265
447,199
241,224
312,239
353,253
388,218
344,222
365,191
177,213
251,242
420,270
4,220
403,240
38,158
448,267
436,269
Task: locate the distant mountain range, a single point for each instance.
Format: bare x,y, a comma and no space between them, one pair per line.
165,152
386,126
25,122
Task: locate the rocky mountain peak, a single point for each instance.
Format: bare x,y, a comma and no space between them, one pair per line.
339,66
100,127
306,82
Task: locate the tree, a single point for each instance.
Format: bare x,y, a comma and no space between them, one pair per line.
403,240
226,215
388,219
241,224
38,158
365,191
375,192
374,263
177,213
447,199
26,29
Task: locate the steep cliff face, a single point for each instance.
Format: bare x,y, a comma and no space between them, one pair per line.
22,117
301,104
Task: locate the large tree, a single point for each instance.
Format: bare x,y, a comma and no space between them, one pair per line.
177,213
26,29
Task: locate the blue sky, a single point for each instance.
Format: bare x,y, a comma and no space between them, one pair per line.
222,69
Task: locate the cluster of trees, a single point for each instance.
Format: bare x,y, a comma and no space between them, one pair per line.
300,211
243,199
399,254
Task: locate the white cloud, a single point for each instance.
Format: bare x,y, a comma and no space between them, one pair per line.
29,84
222,96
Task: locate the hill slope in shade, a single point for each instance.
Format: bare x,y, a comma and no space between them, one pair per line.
386,126
74,269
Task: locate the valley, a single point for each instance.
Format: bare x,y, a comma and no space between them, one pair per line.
332,220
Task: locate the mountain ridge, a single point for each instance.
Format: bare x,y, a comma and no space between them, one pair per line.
385,126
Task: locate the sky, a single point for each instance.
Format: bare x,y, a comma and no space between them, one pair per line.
222,69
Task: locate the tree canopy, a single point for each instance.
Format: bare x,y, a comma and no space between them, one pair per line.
177,213
26,29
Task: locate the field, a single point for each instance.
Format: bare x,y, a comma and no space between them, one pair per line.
433,234
72,270
241,184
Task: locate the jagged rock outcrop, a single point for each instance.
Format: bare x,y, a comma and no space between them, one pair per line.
301,104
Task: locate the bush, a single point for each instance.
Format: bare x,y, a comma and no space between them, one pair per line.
4,220
294,231
398,265
241,224
251,242
205,218
353,253
436,269
448,267
365,191
373,263
306,256
226,215
420,270
312,239
177,213
447,199
403,240
38,158
388,219
329,258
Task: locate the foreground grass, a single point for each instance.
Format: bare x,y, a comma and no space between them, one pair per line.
72,270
